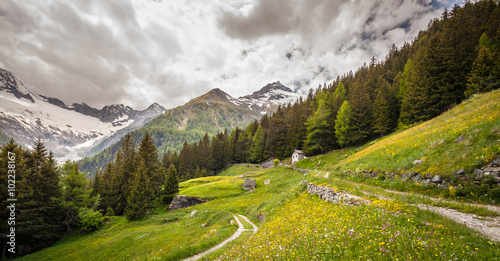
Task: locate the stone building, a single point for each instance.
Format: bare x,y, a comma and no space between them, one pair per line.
297,155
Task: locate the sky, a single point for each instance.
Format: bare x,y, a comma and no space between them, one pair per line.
140,52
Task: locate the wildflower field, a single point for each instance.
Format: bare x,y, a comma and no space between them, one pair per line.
307,228
467,136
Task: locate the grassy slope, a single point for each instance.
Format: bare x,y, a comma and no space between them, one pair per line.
435,141
174,235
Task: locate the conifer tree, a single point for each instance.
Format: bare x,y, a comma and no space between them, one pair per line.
319,133
171,186
343,124
124,167
257,147
484,76
141,194
361,116
148,153
40,223
75,196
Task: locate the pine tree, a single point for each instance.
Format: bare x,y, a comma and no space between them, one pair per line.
257,147
141,194
343,124
483,76
171,187
385,109
148,153
319,133
39,222
361,116
75,196
124,167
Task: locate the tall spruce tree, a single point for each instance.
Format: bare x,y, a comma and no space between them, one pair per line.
140,197
124,167
171,186
39,222
319,133
148,154
484,75
75,196
343,124
257,147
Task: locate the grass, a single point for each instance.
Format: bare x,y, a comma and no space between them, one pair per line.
173,235
306,228
476,120
237,170
169,236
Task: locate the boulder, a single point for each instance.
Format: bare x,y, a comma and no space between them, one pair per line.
436,179
416,162
478,172
249,184
417,178
461,172
181,201
426,181
496,161
192,213
267,182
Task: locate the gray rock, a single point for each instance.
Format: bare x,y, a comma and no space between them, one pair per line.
428,176
180,201
426,181
491,169
436,179
417,178
478,172
267,182
497,179
249,184
459,139
192,213
405,176
496,161
416,162
461,172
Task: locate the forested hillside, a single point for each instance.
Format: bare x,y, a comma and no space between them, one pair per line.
187,123
457,56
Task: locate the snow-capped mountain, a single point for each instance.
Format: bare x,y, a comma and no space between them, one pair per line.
269,97
67,130
265,100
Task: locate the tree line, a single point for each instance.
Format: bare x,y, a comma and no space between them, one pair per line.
457,56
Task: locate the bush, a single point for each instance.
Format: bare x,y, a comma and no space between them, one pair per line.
276,162
90,219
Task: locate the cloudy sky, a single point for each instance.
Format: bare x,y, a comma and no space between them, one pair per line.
140,52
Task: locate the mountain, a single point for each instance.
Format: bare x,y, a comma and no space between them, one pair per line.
69,131
210,113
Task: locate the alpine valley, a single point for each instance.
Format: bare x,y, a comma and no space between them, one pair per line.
78,130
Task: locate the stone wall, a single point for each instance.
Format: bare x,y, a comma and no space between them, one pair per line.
330,195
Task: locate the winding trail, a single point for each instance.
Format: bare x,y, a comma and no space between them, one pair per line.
238,232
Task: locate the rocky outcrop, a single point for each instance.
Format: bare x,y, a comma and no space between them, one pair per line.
181,201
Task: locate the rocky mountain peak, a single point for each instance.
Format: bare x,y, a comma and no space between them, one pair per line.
10,84
275,86
214,95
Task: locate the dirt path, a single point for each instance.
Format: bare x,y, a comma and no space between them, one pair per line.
240,230
489,227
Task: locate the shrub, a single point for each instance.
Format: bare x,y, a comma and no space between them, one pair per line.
90,219
276,162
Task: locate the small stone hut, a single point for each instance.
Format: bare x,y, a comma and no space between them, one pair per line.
297,155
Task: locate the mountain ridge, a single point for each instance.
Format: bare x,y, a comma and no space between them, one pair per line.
68,130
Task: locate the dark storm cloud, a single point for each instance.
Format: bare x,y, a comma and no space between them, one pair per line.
270,17
80,51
